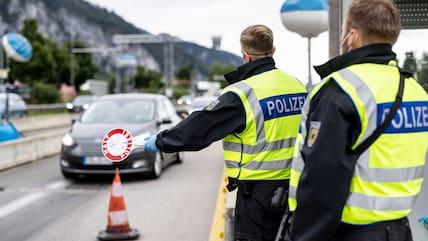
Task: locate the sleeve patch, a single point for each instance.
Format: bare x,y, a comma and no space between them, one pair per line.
212,105
314,128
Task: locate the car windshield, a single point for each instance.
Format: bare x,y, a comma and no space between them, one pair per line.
124,111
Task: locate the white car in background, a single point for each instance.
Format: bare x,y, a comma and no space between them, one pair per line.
17,106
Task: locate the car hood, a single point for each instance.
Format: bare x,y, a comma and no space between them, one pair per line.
84,131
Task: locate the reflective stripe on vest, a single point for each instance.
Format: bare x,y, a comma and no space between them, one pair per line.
388,176
257,154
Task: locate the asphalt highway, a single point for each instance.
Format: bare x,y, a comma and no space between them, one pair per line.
38,204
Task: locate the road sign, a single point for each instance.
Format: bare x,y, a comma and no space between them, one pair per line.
413,13
117,144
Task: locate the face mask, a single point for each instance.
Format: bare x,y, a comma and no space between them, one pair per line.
244,60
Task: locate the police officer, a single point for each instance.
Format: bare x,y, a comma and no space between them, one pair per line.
338,190
258,117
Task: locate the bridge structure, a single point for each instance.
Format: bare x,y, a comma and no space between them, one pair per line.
168,42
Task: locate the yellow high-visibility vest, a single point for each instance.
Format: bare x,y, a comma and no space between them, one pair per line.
388,175
263,151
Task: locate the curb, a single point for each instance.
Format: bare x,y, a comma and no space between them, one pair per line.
218,225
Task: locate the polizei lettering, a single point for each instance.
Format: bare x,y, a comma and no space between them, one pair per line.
410,117
282,105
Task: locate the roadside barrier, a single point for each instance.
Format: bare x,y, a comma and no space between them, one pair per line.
28,149
34,123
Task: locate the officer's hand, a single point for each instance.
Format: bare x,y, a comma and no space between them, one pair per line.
150,143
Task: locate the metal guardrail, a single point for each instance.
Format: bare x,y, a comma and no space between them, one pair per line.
58,106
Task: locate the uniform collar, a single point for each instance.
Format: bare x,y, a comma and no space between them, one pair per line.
250,69
375,53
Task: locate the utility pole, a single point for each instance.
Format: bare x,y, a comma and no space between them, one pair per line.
309,85
72,60
1,57
334,27
3,88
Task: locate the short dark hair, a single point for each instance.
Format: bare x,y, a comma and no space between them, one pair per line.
377,19
257,40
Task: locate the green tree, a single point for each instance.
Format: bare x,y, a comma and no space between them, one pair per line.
149,80
50,63
217,71
423,72
42,66
44,94
83,67
185,72
183,76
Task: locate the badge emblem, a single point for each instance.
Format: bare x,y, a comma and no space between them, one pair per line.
212,105
314,129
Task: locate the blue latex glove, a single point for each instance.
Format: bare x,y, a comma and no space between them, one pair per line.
150,143
424,220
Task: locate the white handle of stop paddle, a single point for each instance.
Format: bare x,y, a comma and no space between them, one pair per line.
138,143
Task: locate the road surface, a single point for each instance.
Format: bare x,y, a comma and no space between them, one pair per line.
38,204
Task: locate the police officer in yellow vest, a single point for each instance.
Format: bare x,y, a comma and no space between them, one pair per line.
336,191
258,116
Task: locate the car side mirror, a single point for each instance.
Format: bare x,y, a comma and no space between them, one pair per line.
164,121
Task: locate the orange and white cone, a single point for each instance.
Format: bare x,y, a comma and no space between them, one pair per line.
117,221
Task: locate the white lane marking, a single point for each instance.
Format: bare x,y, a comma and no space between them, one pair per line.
21,202
57,185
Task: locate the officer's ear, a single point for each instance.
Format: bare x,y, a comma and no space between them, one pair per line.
273,51
245,56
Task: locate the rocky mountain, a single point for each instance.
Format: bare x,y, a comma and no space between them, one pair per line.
62,20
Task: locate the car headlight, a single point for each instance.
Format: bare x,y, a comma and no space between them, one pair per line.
139,139
67,140
69,106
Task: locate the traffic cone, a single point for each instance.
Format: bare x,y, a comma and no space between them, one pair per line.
117,220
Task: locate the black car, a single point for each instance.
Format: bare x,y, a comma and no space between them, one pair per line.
141,114
80,103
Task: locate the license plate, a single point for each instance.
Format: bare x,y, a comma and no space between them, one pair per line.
96,160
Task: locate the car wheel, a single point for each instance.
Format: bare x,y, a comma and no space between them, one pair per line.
68,175
156,170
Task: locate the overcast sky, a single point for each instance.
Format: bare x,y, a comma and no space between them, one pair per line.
198,20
